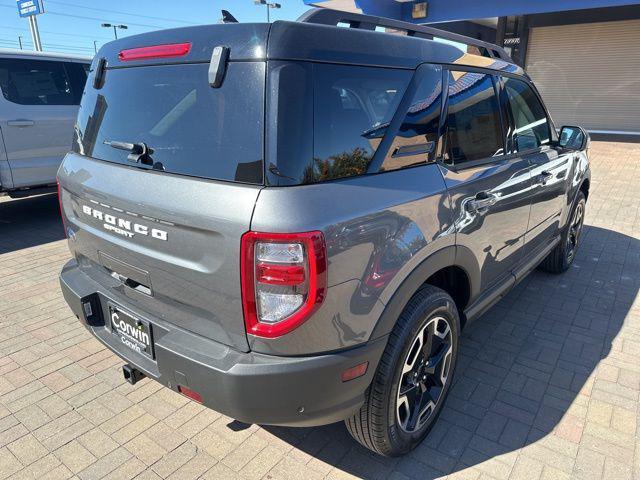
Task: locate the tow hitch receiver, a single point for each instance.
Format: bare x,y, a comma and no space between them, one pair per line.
132,374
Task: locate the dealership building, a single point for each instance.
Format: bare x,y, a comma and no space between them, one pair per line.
584,55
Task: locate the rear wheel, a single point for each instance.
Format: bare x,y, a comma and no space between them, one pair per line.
562,256
413,377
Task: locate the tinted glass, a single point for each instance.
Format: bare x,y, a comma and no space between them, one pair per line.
41,82
352,108
191,128
78,73
474,130
531,127
417,137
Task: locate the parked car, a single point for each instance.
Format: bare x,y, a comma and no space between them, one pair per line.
291,223
38,108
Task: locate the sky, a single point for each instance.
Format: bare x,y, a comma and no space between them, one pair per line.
71,26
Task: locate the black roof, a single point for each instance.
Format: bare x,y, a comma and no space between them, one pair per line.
306,41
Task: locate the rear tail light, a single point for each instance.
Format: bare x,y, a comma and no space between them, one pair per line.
284,279
155,51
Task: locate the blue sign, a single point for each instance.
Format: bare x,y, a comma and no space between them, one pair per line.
26,8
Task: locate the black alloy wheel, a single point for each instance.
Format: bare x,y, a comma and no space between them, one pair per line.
575,230
424,374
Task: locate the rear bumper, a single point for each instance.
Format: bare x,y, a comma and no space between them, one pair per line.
250,387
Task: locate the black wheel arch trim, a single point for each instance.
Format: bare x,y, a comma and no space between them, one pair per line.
573,195
451,256
586,178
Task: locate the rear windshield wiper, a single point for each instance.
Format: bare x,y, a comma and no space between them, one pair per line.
139,152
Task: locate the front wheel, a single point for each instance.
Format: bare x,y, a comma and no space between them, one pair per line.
413,377
563,255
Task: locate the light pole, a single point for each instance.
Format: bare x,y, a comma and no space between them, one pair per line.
95,46
115,27
20,41
269,6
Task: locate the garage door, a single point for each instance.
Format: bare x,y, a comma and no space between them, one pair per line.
589,74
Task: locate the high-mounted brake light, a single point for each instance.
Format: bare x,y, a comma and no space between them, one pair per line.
284,280
155,51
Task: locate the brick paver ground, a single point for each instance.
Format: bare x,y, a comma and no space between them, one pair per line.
547,384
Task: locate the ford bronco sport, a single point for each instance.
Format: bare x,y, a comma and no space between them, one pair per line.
291,222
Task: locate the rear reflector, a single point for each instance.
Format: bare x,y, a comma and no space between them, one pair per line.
155,51
355,372
64,225
187,392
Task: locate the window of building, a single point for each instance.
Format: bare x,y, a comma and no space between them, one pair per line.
474,129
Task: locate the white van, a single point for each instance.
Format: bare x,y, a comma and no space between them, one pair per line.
38,107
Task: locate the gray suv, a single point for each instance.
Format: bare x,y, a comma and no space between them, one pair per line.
292,222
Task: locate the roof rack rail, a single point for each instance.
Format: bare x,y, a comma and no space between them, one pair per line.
326,16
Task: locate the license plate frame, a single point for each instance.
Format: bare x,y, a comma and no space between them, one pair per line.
133,332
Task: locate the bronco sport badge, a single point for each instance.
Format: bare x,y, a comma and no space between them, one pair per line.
123,227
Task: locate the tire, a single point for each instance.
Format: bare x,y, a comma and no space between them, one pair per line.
384,422
563,255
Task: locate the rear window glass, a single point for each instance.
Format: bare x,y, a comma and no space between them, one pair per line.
189,127
352,106
41,82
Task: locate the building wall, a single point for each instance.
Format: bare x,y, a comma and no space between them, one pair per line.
458,10
470,29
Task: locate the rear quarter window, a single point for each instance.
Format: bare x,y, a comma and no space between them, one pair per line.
416,140
327,121
352,106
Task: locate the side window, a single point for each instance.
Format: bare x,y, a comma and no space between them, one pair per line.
78,73
531,126
474,130
417,137
38,82
352,109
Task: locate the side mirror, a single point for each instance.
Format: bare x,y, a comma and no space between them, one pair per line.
573,138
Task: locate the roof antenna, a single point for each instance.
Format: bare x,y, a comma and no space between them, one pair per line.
227,17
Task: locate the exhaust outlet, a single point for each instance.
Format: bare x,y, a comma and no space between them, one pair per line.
132,374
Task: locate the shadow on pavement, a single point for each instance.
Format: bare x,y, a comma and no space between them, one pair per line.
28,222
521,368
